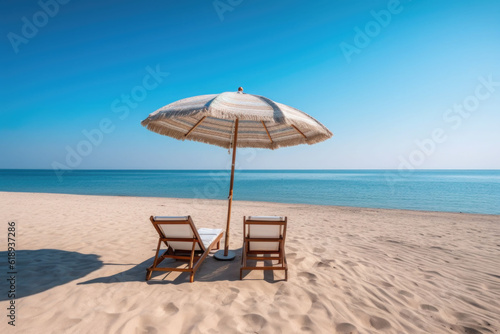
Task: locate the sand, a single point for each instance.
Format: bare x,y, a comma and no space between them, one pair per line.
81,263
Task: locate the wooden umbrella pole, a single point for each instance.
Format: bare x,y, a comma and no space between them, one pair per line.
230,198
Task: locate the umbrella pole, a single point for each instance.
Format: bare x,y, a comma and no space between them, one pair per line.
227,255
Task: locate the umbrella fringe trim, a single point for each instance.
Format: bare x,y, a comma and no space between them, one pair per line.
303,126
163,130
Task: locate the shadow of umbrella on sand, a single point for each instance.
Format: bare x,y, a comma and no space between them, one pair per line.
43,269
236,119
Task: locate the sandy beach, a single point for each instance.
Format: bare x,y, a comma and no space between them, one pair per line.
81,263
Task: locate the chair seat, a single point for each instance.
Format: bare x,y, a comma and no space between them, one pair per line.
169,218
208,235
267,218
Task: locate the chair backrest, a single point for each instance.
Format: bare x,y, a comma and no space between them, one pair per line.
177,232
265,227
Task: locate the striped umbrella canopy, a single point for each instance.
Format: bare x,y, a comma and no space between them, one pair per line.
236,119
211,119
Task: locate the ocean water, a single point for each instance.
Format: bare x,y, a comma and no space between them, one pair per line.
471,191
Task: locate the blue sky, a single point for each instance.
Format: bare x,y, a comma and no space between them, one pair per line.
409,84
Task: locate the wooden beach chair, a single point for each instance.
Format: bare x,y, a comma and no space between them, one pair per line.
184,242
264,240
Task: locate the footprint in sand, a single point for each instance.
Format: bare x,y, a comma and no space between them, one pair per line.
255,322
305,323
170,309
379,323
428,308
350,263
319,250
469,330
299,259
71,322
229,299
283,291
139,321
346,328
252,301
309,276
321,264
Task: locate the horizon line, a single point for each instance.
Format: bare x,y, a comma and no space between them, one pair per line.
259,169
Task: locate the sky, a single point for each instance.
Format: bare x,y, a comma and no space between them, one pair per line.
401,84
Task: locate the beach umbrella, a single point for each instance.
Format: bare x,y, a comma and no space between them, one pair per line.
236,119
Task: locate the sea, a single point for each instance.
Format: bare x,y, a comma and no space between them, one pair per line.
467,191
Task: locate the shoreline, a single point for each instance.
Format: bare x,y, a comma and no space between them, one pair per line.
82,259
247,201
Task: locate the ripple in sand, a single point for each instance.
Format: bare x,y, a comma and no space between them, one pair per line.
472,302
379,305
405,293
386,284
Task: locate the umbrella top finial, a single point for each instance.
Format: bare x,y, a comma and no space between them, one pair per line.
240,89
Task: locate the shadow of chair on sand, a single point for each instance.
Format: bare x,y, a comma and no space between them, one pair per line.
211,270
43,269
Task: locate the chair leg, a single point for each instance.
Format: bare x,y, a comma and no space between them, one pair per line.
191,278
286,267
241,274
156,261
